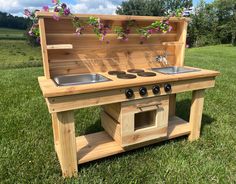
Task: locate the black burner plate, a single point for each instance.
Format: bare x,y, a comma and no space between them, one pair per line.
126,76
147,74
135,70
116,72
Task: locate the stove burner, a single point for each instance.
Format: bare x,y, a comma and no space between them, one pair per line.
147,74
135,70
116,72
126,76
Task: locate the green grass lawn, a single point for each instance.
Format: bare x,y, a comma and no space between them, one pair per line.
26,141
18,54
13,34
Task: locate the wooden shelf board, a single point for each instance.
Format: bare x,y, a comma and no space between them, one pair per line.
59,46
99,145
108,35
113,17
172,43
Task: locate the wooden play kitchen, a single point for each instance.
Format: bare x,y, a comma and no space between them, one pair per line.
134,82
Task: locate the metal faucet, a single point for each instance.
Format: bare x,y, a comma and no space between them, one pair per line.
163,58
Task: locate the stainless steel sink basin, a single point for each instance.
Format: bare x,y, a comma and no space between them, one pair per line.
70,80
174,70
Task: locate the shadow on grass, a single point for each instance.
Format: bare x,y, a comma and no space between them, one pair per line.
182,111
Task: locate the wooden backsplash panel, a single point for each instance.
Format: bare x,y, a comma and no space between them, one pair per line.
66,26
91,55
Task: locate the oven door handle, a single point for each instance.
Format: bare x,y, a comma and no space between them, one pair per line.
147,107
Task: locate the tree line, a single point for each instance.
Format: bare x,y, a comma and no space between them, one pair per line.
212,23
14,22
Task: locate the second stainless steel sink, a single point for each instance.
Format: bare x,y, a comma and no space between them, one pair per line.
70,80
174,70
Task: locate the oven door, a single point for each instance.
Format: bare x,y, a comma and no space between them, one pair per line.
144,120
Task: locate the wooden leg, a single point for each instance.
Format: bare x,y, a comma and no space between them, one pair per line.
196,114
65,143
172,105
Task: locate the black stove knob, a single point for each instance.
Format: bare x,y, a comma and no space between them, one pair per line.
156,89
143,91
129,93
167,87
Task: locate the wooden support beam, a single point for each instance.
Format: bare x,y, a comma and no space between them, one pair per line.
172,105
43,42
65,142
196,114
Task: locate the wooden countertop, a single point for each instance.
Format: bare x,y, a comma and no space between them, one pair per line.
50,89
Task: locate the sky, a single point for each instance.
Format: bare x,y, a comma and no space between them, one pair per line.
16,7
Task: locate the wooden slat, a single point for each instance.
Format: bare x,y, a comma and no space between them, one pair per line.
49,88
99,145
181,38
63,103
115,17
65,144
172,104
44,48
64,26
74,35
59,46
196,114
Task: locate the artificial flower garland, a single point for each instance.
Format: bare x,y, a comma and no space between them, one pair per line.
99,28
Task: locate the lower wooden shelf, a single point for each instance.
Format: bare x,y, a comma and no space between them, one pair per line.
99,145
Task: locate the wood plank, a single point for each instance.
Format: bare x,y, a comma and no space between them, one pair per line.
74,35
115,17
59,46
196,114
181,38
49,88
65,142
172,104
99,145
43,42
64,103
112,127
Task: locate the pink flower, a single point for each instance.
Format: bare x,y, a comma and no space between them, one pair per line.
67,11
46,8
170,28
30,33
64,6
55,1
56,9
55,17
167,22
27,13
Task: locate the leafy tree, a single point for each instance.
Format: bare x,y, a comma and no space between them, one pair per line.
203,26
226,13
15,22
151,7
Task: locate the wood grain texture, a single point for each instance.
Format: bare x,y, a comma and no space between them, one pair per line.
59,46
172,104
86,54
99,145
43,42
181,38
65,144
114,17
196,114
137,121
50,89
71,102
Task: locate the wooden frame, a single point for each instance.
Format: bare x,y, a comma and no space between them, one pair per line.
64,53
